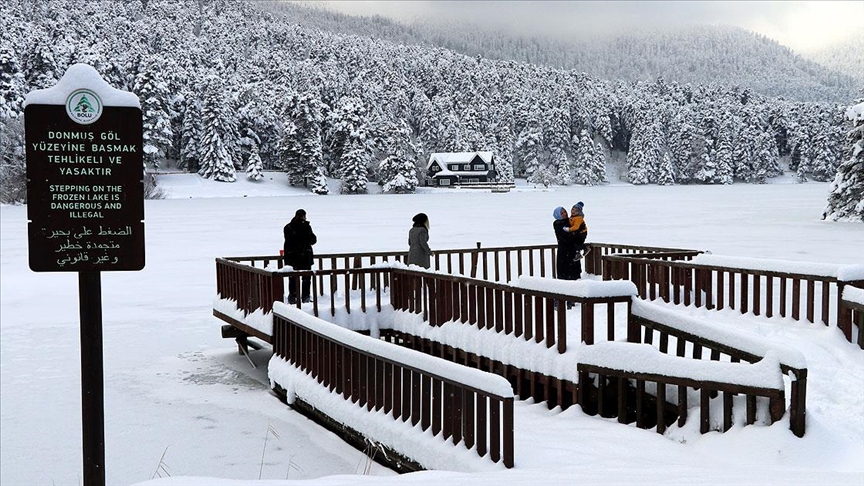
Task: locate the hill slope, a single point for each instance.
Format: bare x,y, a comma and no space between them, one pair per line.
700,54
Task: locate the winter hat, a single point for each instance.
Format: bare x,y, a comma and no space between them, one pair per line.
301,213
420,219
556,213
580,205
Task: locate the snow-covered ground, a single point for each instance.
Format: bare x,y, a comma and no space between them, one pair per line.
179,401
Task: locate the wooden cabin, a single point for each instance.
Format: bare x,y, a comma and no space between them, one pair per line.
460,168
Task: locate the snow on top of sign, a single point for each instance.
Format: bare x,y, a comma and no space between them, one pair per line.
82,76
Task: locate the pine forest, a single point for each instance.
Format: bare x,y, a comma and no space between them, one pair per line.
231,88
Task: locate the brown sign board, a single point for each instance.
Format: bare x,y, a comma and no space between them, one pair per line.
85,190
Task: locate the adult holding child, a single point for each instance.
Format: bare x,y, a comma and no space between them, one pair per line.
568,263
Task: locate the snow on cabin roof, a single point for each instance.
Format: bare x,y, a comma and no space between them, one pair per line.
458,157
82,76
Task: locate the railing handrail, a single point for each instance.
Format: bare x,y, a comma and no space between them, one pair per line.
511,288
494,423
316,329
703,266
470,250
547,323
798,392
646,369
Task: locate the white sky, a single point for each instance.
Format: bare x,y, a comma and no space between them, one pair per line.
173,386
802,26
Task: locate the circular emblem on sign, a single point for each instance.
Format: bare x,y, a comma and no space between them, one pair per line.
83,106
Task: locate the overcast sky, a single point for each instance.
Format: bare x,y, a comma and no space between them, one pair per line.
802,26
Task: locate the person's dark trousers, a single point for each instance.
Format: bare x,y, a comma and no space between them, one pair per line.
305,284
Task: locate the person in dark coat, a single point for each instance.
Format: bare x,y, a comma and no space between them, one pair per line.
418,238
568,266
297,250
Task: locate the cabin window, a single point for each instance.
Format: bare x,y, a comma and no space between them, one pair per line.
453,166
444,182
466,167
479,167
435,168
473,180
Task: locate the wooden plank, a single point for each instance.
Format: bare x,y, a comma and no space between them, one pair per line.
661,407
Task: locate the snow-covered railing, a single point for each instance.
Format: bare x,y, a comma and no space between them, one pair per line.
687,337
500,264
597,263
401,387
251,288
771,287
851,312
533,309
615,364
254,288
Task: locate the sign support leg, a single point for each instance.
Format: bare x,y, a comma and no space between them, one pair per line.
92,386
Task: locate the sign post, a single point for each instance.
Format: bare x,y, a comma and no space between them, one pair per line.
85,211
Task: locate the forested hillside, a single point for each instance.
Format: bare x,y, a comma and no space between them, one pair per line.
227,88
704,54
846,57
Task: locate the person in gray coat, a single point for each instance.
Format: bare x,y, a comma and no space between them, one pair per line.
418,238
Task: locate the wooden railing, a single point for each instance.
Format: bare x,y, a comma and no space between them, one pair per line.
252,288
851,313
255,288
522,313
708,385
687,341
415,387
499,264
794,295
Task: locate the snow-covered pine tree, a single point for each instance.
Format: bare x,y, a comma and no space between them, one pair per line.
559,162
705,147
767,157
823,163
217,134
503,151
355,162
300,146
349,116
846,201
11,84
190,148
41,69
556,138
258,122
13,165
156,118
723,153
543,176
474,130
528,148
665,176
825,155
744,149
590,161
398,172
254,166
638,158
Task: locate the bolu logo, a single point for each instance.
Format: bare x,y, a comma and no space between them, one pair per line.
83,106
